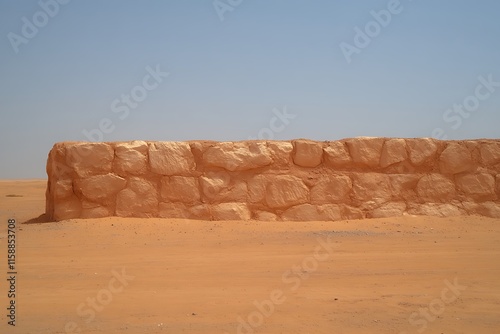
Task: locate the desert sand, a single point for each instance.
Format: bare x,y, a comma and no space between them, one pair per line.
136,275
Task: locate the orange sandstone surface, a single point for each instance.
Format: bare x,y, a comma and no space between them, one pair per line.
298,180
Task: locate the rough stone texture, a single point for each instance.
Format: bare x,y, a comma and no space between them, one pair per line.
171,158
67,209
435,209
217,186
265,216
308,212
281,152
285,191
257,188
455,159
349,212
336,154
478,186
88,159
131,158
371,187
488,209
333,189
393,151
57,167
498,184
307,153
139,199
213,183
393,209
274,180
96,212
404,186
490,153
435,188
183,189
173,210
422,150
100,187
366,150
231,211
63,189
238,156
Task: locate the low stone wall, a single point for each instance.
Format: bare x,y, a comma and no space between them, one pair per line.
274,180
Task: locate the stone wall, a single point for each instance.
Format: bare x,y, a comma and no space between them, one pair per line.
274,180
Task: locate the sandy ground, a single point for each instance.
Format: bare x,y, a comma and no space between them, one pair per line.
400,275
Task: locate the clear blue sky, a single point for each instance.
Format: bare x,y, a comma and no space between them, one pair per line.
228,78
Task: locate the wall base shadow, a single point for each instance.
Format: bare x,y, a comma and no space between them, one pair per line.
43,218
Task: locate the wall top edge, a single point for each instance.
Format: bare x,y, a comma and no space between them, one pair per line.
479,140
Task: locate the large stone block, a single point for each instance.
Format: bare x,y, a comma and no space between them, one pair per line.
455,159
231,211
139,199
281,152
218,187
488,209
201,211
88,159
237,192
62,189
307,153
333,189
214,183
422,150
391,209
490,153
308,212
95,212
56,166
265,216
285,191
100,188
173,210
238,156
336,154
404,186
435,188
67,209
180,189
184,211
478,186
393,151
365,150
373,187
171,158
257,188
131,158
436,209
350,212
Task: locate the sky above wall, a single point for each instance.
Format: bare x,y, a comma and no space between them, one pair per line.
122,70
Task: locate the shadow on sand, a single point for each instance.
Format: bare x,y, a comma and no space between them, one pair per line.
38,220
